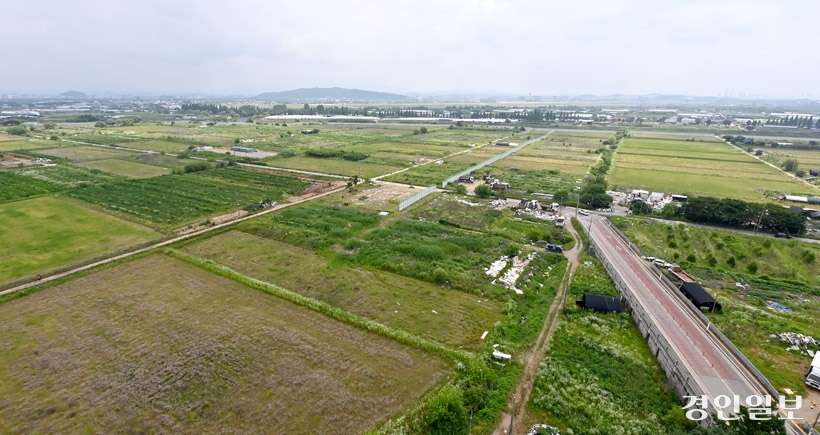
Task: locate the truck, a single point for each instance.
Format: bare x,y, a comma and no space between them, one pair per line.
560,221
813,375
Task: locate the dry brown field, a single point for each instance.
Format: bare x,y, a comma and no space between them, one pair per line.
157,345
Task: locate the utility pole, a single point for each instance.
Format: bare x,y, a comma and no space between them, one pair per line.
470,428
760,220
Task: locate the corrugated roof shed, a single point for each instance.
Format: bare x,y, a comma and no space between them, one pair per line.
698,295
599,303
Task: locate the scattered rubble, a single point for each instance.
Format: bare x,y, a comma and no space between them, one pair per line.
798,342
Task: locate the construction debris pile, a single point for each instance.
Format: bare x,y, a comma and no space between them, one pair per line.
510,276
496,267
498,203
798,342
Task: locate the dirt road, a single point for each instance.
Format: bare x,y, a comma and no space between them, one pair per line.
535,355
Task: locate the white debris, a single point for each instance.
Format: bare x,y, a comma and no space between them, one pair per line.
511,275
434,312
484,335
496,267
501,355
383,213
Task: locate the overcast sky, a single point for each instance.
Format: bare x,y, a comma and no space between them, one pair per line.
752,48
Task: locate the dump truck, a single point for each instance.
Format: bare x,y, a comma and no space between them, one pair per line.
813,375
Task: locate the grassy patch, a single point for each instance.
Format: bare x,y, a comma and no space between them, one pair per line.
424,309
85,153
126,168
44,233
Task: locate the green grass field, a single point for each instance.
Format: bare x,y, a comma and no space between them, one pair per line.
396,301
126,168
157,345
85,153
45,233
16,143
703,167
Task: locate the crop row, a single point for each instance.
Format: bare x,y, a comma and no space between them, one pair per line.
14,186
249,177
68,176
174,198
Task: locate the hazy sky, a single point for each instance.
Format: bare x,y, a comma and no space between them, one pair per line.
714,47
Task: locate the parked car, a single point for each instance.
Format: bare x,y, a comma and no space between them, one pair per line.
783,236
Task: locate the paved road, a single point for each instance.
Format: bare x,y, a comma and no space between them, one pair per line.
713,370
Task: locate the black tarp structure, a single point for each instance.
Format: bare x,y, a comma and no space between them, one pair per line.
698,295
599,303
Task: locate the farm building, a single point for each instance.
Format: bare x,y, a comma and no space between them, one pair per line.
599,303
814,172
699,296
680,198
243,149
656,197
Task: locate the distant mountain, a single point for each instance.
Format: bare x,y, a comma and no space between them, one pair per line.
73,94
331,94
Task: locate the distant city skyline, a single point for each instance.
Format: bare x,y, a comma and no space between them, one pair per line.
719,48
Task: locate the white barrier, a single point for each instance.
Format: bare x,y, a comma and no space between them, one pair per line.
417,196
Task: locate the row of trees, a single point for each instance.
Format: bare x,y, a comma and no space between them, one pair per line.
739,214
795,121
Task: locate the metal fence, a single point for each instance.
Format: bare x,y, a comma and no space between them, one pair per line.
494,159
417,196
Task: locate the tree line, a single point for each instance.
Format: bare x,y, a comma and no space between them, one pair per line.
737,213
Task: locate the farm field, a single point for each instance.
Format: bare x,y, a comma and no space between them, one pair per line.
68,176
14,186
599,375
173,199
807,159
453,318
706,166
126,168
363,169
140,351
16,143
771,270
45,233
85,153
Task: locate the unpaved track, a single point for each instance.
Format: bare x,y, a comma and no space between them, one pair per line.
535,355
